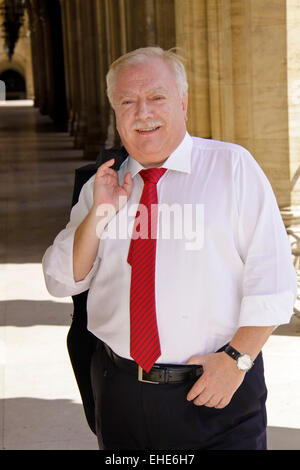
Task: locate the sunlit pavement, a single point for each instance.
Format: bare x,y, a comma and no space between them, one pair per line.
40,406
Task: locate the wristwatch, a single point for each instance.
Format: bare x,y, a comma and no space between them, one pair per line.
243,361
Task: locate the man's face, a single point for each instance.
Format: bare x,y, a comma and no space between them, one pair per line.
150,114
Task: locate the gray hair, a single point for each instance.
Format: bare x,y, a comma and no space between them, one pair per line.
141,56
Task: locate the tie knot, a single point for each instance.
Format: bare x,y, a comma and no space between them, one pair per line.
152,175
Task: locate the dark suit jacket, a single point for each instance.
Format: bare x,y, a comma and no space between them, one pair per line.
80,342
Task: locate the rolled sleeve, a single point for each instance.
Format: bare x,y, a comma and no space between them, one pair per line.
57,261
267,310
269,281
58,267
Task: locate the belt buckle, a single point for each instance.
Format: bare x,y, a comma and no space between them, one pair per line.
141,379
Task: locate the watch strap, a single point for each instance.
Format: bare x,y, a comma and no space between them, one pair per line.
232,352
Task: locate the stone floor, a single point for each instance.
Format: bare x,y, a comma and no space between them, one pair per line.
40,406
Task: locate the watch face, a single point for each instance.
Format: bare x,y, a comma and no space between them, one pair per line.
244,362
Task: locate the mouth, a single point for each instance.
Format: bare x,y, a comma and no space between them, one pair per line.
148,130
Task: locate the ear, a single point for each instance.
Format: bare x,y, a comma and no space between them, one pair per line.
184,102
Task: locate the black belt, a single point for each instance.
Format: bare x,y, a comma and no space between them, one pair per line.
160,373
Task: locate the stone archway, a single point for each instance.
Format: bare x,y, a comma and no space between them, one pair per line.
15,84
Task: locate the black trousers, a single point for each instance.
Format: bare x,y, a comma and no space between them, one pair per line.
133,415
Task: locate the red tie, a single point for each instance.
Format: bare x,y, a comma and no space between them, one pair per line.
144,338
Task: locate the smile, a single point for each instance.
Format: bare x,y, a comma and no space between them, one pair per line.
149,130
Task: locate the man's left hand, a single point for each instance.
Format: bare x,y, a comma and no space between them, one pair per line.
219,381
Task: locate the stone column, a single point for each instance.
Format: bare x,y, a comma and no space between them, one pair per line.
68,30
66,45
48,99
164,22
96,133
248,83
140,23
191,38
116,44
292,213
102,53
26,41
220,69
41,78
78,80
34,50
115,14
261,111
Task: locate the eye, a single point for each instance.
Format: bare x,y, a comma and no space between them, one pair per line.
158,98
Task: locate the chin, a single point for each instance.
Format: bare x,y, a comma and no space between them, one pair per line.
143,150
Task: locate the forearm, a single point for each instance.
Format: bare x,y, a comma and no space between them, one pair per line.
251,339
86,243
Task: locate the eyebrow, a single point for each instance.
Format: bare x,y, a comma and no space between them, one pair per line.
151,91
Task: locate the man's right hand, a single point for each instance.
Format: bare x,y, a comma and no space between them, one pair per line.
107,189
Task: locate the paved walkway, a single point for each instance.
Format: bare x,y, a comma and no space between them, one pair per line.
40,406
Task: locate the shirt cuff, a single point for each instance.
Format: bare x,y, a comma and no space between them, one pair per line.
267,310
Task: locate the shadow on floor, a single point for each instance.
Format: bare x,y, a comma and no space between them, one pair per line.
39,424
22,313
283,438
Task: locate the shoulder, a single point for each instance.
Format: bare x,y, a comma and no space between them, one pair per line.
218,147
215,154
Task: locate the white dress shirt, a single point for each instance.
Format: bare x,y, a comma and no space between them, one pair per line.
223,259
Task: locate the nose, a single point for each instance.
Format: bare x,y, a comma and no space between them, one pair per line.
143,109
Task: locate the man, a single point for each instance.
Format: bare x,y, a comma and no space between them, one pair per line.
183,317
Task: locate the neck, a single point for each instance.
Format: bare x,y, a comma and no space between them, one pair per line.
153,164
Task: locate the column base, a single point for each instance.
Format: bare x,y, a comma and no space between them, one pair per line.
291,216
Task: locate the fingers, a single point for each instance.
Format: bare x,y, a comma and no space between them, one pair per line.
107,164
211,401
222,403
196,390
107,175
105,169
203,397
128,183
202,394
206,400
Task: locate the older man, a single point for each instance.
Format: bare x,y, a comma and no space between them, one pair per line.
183,316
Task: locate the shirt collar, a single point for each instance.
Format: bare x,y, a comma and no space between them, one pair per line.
179,160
